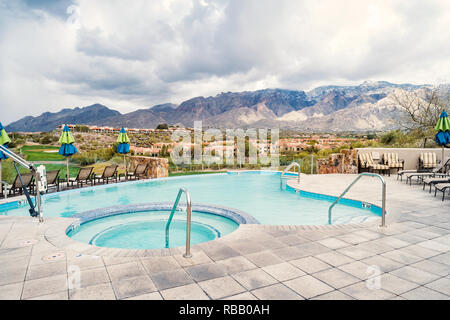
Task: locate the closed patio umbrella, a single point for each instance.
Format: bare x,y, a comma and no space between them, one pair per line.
4,140
442,138
67,148
124,146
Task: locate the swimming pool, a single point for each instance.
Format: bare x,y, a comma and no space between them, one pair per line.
256,192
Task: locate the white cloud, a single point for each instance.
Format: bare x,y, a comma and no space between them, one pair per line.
134,54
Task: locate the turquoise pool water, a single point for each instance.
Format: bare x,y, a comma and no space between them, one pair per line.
257,193
146,230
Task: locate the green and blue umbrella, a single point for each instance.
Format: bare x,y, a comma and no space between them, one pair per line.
123,147
442,138
124,142
4,140
67,148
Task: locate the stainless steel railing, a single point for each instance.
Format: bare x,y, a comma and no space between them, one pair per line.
287,169
188,221
383,190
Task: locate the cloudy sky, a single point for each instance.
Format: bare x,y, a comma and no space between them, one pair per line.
134,54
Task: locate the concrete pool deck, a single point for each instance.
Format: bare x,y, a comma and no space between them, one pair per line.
409,259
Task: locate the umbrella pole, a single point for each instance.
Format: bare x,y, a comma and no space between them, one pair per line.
67,186
125,165
443,154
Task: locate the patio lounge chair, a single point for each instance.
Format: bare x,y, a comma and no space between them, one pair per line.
52,181
84,176
16,187
427,160
434,180
366,162
139,172
110,172
391,160
421,174
442,187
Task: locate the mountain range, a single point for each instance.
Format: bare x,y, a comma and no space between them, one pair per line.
365,107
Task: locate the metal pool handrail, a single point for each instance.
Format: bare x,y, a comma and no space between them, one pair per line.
188,221
383,190
287,168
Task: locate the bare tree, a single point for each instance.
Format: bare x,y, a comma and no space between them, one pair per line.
420,110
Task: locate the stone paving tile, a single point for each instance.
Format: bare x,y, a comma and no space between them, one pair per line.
129,287
91,277
423,293
413,239
395,284
86,262
368,234
12,274
292,239
109,261
308,286
376,248
283,271
11,291
221,287
442,258
169,279
44,286
310,264
312,248
198,257
432,267
361,292
441,285
401,256
333,243
420,251
236,264
276,292
335,259
242,296
414,275
352,238
385,264
246,246
187,292
125,270
221,253
62,295
393,242
335,278
333,295
434,245
253,279
98,292
290,253
159,264
147,296
206,271
46,270
355,252
264,258
357,269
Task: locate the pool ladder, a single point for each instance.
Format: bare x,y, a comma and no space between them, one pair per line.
287,169
383,193
187,254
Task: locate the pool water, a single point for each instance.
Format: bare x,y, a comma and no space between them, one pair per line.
146,230
258,193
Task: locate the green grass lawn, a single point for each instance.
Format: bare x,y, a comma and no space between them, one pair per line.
9,173
41,153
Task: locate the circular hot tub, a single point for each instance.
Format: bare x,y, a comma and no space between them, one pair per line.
144,226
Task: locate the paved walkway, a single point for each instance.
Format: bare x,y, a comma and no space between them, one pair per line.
410,259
